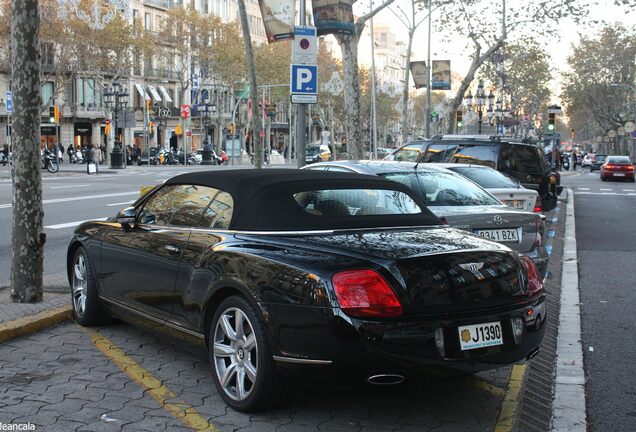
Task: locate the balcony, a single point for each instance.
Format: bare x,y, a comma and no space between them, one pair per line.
162,73
164,4
89,110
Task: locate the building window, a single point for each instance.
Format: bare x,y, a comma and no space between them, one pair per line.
88,96
147,21
47,92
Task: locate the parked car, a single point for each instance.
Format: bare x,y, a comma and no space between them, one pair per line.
522,161
196,157
597,161
617,168
460,203
275,272
587,160
508,190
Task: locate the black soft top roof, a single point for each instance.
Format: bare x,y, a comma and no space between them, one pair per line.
264,199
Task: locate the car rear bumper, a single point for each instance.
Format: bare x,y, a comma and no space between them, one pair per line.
618,175
357,349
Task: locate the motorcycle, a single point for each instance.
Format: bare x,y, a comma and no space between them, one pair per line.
48,161
266,158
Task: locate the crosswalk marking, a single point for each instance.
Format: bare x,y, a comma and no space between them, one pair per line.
71,186
79,198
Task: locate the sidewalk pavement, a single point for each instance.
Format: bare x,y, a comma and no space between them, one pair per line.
19,319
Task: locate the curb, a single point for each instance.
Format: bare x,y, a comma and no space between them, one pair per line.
34,323
568,409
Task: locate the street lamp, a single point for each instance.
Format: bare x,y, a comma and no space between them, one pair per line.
116,98
480,101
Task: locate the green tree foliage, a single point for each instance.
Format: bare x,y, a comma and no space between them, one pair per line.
596,62
527,74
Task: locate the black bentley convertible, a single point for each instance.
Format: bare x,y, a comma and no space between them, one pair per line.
276,271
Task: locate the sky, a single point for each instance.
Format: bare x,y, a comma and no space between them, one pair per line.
559,48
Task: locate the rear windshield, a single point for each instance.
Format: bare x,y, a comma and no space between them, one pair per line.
463,153
356,202
618,159
486,177
599,158
444,189
312,150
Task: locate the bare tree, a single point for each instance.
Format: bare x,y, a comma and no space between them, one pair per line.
27,233
349,46
251,68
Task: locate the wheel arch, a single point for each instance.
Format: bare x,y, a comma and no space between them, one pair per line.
70,255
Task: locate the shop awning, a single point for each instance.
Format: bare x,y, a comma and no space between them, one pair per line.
155,95
142,92
166,96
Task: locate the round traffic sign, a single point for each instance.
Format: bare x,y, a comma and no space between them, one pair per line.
304,43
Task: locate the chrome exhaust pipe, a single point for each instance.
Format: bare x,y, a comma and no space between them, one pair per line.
385,379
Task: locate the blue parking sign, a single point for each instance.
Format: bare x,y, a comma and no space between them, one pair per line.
9,98
304,79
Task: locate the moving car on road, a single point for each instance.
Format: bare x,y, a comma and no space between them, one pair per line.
587,160
508,190
461,203
276,272
618,168
597,161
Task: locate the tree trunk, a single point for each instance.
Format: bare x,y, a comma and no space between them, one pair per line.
251,68
27,235
349,47
405,90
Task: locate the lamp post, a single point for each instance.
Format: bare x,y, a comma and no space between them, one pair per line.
116,98
206,155
480,102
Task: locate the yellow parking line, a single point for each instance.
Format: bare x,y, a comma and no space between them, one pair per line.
510,405
183,412
487,387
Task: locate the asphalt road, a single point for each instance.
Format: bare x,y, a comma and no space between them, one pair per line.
71,198
606,241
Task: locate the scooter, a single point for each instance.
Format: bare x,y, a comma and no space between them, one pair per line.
220,159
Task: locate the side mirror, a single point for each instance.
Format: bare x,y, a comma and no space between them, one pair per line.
126,216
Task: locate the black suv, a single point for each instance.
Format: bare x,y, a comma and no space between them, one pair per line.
520,160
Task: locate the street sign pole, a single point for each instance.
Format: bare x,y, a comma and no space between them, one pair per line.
301,109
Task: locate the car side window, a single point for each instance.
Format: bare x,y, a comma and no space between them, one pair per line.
219,213
190,204
157,209
178,205
525,159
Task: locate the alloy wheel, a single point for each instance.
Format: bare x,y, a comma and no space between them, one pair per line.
235,353
79,285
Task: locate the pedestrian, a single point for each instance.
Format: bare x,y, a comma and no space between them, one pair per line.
574,161
61,158
70,151
5,154
557,161
102,149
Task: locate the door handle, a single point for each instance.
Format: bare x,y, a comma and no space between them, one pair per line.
173,250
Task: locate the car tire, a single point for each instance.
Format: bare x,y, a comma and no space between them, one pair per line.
232,358
87,308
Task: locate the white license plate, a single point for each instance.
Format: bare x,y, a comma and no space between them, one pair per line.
480,335
504,235
514,203
618,175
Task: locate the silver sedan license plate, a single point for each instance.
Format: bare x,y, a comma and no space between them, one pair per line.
480,335
503,235
514,203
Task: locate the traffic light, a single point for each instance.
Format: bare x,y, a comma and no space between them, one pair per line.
551,121
458,119
150,124
107,129
58,115
52,114
233,128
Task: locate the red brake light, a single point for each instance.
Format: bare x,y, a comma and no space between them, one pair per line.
537,205
364,293
535,284
630,167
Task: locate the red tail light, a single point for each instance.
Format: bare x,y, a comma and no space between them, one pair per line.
535,283
364,293
630,167
537,205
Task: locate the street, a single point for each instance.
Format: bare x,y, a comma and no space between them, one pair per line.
606,238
